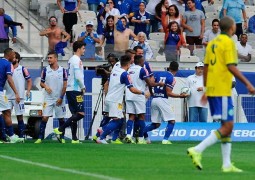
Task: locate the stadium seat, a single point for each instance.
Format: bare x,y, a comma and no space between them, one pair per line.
59,16
212,15
84,6
189,59
200,53
208,22
218,2
184,51
155,46
252,43
132,28
77,30
33,5
130,42
87,14
161,58
251,37
253,55
51,8
250,9
157,36
42,7
208,7
84,16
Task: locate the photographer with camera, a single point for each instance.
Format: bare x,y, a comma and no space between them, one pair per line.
90,38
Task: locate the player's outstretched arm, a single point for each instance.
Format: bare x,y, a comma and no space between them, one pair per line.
170,93
233,69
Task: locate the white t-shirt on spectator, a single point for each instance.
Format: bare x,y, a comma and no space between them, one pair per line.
194,82
243,50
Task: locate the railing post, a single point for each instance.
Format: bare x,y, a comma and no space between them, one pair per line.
2,3
28,29
15,11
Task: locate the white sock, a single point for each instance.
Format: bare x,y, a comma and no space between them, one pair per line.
210,140
128,135
226,153
140,138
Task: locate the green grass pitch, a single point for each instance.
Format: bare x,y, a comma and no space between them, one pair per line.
90,161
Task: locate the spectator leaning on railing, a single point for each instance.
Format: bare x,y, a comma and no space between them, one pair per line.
4,39
13,28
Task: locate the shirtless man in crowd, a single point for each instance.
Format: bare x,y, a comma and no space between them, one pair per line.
55,35
121,35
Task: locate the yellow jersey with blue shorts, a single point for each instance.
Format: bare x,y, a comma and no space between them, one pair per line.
220,52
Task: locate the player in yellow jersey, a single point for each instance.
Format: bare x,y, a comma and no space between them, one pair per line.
220,66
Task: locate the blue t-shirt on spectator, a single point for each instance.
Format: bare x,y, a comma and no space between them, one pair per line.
90,46
109,36
100,25
14,29
70,5
124,6
135,5
141,27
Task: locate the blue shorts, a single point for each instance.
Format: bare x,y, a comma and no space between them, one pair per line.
75,101
221,108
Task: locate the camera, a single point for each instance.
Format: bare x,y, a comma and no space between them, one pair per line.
88,34
102,70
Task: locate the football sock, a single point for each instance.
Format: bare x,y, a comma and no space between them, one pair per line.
142,126
61,122
226,154
105,121
169,130
42,129
109,128
9,130
149,128
2,128
117,131
21,127
210,140
75,117
129,126
74,130
136,127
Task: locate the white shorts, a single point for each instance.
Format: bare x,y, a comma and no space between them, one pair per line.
3,102
161,109
19,108
135,107
114,109
49,106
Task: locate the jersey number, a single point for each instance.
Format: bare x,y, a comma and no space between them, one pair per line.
162,79
213,51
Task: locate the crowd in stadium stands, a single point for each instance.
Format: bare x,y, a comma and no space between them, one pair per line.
120,21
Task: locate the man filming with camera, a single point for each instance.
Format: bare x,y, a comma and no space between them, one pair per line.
90,37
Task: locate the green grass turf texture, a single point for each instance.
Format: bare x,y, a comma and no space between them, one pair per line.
128,161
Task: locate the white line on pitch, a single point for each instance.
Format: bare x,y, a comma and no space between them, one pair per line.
59,168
